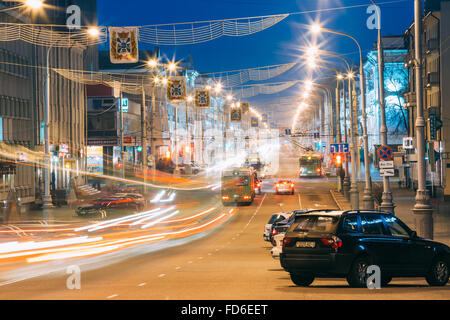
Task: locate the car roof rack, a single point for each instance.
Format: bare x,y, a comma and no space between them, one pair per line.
366,211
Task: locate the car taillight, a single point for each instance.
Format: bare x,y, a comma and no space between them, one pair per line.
277,185
226,198
333,242
292,185
318,170
274,231
246,197
287,242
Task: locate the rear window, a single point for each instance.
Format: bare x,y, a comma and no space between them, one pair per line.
272,219
324,224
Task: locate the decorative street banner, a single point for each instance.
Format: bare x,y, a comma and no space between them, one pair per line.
245,106
264,118
202,98
254,122
123,45
235,114
176,89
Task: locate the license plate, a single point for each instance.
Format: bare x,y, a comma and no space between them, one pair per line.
305,244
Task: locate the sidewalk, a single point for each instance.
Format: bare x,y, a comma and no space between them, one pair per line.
404,201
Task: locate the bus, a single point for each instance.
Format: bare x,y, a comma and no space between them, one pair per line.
238,186
310,164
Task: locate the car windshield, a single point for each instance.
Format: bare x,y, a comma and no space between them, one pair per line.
315,223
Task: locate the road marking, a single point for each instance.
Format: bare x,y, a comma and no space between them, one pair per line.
200,258
209,254
177,268
189,261
161,275
112,296
256,211
142,284
299,201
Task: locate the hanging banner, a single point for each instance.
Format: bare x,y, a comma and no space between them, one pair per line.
235,114
264,117
202,98
123,45
245,106
254,122
176,89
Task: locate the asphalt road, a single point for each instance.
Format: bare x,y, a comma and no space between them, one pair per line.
231,262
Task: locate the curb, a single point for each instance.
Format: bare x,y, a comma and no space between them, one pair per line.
335,200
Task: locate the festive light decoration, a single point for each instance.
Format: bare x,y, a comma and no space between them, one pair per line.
48,35
202,98
268,88
204,31
239,77
176,89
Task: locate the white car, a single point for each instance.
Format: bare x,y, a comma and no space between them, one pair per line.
276,250
277,217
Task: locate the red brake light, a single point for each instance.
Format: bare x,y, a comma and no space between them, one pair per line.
318,170
278,184
292,185
274,231
333,242
286,241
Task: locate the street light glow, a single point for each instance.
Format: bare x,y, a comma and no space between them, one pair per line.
152,63
172,66
93,32
316,28
34,4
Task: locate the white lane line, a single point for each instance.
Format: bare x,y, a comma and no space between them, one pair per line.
189,261
177,268
162,275
200,258
112,296
209,254
299,201
142,284
256,211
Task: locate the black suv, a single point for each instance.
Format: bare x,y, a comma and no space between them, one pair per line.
343,244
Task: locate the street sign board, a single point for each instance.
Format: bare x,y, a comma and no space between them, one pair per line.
339,148
387,172
408,143
386,164
385,153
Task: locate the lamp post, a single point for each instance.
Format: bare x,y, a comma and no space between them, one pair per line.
368,197
354,192
422,209
387,203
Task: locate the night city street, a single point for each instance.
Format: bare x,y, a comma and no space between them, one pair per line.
254,150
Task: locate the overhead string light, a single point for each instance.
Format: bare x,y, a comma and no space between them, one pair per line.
249,91
239,77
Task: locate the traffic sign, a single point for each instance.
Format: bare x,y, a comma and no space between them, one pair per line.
385,153
339,148
386,164
387,172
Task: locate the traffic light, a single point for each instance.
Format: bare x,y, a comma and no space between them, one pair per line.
119,165
139,149
168,155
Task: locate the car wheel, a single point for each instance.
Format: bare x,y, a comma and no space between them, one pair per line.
438,274
357,276
303,280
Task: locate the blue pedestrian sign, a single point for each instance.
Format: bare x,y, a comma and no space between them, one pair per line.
339,148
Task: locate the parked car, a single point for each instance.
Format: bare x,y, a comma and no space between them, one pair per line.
280,216
344,244
194,168
277,248
284,186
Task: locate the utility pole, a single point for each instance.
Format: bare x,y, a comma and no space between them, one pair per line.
422,208
144,139
122,152
386,203
152,123
346,183
354,192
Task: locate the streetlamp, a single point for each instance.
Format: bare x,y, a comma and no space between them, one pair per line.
368,197
422,208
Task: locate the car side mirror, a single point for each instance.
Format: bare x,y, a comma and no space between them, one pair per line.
413,235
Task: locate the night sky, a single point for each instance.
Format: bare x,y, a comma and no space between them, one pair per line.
276,45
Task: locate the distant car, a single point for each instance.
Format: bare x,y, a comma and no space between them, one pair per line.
195,168
284,186
277,217
90,209
344,244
